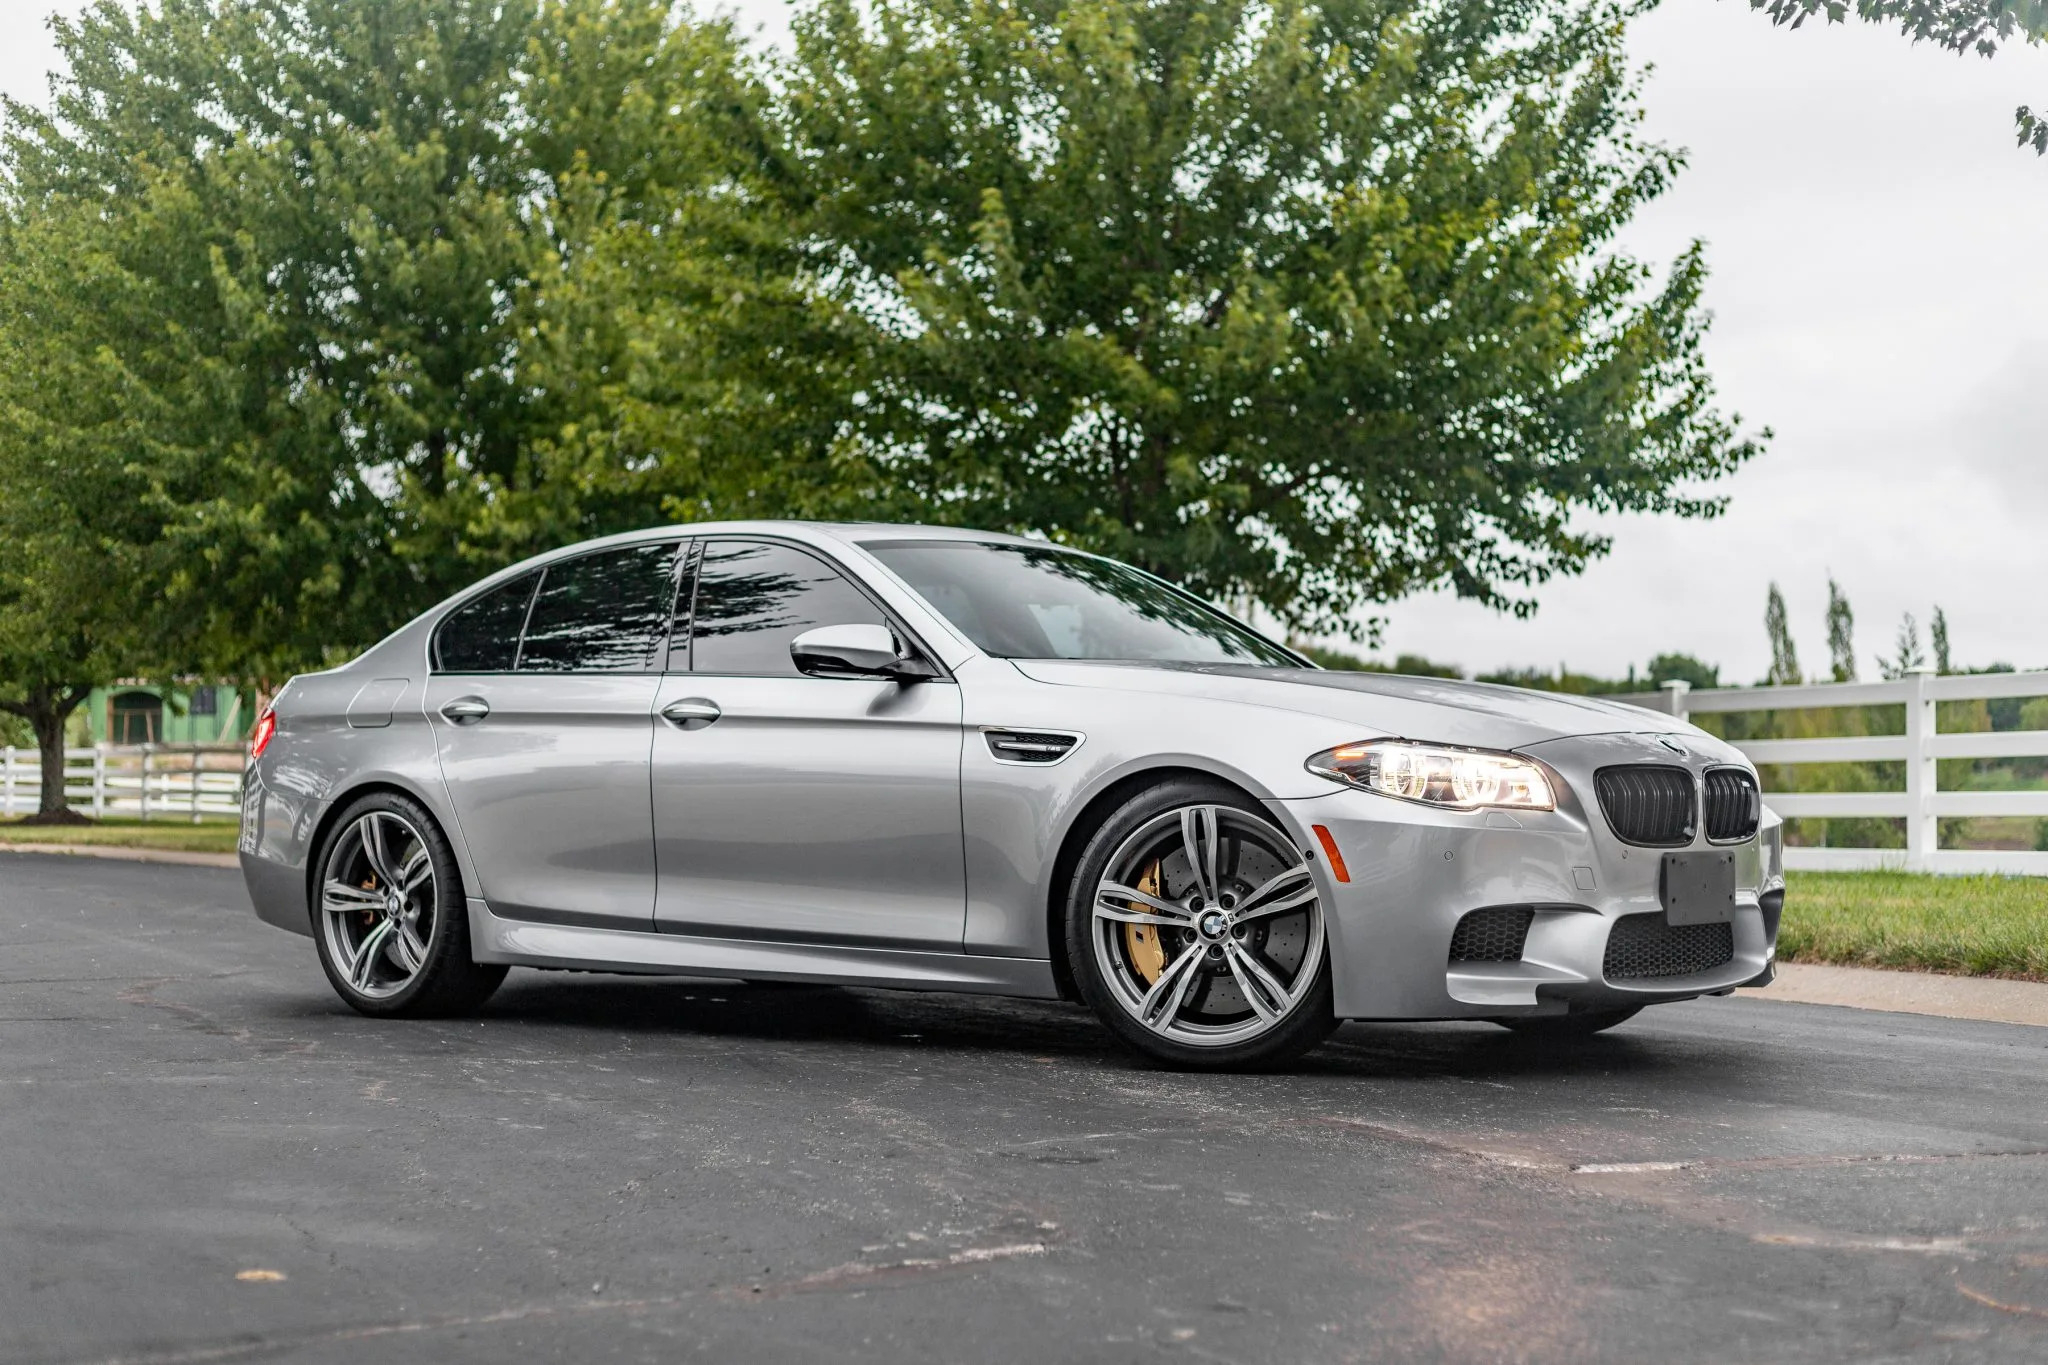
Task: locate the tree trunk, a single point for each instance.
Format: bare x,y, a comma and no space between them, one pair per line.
46,709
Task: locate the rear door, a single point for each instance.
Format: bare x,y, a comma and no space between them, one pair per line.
787,807
544,744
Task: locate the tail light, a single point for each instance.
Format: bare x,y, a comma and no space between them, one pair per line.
260,737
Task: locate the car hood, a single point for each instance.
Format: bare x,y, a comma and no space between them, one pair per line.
1443,710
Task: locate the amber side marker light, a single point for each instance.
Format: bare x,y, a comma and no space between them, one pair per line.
1337,867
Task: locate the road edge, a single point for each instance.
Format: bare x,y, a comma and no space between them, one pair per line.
182,857
1988,999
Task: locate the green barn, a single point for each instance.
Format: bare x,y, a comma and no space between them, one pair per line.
143,713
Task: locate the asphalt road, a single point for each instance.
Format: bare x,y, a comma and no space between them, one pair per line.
603,1168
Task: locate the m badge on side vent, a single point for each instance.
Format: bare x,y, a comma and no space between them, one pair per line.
1030,748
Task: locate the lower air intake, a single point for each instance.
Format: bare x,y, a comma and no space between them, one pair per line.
1494,934
1644,946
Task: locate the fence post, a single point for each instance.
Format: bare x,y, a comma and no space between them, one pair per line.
1675,693
7,783
1922,836
148,772
198,766
99,781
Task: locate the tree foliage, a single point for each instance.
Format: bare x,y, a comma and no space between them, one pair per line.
80,520
1784,653
1841,634
1907,656
1310,304
365,226
1960,26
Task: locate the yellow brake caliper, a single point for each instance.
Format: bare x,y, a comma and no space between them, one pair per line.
1141,941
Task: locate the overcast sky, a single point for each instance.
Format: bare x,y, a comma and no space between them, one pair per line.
1880,290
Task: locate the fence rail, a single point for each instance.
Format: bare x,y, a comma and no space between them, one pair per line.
190,782
1922,803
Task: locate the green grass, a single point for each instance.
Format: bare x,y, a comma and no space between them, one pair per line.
1965,926
215,836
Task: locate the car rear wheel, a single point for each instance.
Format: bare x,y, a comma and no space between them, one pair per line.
390,920
1580,1025
1195,931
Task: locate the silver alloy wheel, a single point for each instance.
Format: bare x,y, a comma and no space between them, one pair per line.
378,904
1207,926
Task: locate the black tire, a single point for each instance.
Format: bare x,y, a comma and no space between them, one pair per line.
447,982
1289,1034
1584,1024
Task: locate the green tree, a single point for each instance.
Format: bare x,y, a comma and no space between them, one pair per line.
1906,652
1784,654
1938,634
1960,26
1683,668
77,512
1841,634
1311,304
368,228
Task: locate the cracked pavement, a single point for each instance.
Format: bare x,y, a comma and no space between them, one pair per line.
205,1157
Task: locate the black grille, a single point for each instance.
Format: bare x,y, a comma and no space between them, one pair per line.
1733,805
1645,946
1494,934
1651,805
1029,746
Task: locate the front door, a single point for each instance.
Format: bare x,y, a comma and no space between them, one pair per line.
544,740
793,808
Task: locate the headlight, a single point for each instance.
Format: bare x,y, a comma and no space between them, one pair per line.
1437,774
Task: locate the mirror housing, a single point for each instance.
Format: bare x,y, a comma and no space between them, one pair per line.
856,652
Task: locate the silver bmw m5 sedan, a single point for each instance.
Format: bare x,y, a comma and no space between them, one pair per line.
950,760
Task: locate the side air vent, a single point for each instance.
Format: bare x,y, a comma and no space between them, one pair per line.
1495,934
1733,805
1036,748
1644,946
1649,804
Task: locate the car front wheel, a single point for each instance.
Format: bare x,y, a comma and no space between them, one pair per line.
1195,931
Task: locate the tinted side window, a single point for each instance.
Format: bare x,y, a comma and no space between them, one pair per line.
483,636
753,598
601,613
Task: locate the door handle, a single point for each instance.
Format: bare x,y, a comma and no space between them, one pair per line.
463,710
691,712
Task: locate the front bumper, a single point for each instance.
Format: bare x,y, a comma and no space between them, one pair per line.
1416,871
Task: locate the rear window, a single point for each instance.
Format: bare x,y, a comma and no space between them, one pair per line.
482,636
601,613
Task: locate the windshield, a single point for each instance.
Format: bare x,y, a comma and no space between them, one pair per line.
1039,602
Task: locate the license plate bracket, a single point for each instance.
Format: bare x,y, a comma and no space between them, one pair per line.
1698,887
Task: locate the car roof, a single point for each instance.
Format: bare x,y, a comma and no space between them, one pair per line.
846,532
856,532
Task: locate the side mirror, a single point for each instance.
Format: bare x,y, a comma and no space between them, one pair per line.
856,652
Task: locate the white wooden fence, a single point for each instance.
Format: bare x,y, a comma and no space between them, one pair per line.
1922,802
154,781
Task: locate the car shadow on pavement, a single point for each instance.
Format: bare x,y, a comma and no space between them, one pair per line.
868,1018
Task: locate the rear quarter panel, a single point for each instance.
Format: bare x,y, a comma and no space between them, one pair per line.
322,756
